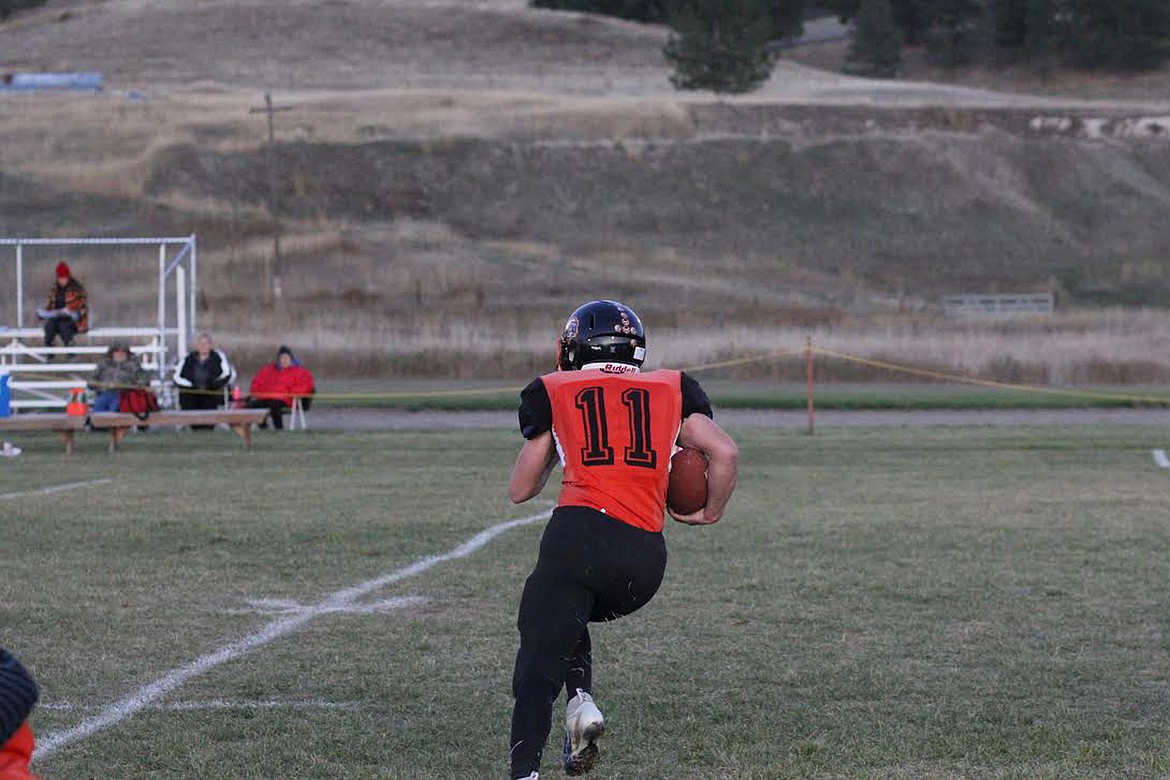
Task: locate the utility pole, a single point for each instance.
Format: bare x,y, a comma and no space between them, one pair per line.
272,270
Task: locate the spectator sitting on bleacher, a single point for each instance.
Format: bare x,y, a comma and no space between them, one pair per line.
202,376
119,369
277,384
66,313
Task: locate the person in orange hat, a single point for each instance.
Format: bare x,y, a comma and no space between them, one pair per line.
18,694
66,313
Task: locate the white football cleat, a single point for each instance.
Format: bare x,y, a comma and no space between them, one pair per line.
584,726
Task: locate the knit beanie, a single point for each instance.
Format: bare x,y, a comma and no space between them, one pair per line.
63,271
284,351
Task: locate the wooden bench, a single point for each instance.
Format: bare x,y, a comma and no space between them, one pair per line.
118,423
64,425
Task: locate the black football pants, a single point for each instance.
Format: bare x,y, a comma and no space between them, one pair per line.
591,568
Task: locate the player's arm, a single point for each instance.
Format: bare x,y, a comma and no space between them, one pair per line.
533,466
699,431
702,433
538,455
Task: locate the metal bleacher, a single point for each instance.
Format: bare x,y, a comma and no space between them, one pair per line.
41,377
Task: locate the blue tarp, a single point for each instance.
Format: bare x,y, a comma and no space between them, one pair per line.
30,81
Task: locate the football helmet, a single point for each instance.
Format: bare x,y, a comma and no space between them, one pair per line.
601,331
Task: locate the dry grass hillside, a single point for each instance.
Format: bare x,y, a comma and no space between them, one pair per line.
456,176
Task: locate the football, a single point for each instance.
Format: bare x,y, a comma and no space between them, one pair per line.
687,490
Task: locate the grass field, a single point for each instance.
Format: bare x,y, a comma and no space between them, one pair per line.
935,603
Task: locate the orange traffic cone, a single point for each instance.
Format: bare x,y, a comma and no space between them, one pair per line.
77,406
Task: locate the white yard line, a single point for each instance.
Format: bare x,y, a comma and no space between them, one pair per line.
217,704
148,694
46,491
285,606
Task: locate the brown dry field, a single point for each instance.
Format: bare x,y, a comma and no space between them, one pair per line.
456,176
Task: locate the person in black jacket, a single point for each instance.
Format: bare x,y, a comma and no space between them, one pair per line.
18,694
201,377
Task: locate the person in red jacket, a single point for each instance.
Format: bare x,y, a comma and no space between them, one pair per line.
18,694
276,385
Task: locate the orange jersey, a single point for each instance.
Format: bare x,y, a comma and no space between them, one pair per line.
16,754
614,433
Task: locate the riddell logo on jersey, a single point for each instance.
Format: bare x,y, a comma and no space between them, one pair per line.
619,368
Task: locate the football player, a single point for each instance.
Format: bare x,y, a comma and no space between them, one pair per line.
612,428
18,694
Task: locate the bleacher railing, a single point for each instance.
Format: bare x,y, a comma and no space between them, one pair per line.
41,377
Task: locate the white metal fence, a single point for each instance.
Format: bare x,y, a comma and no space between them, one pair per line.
158,330
1005,305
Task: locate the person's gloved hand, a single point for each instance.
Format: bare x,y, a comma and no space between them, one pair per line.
75,315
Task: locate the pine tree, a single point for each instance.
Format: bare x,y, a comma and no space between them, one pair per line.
961,30
720,45
1126,34
787,18
9,7
1043,34
876,48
